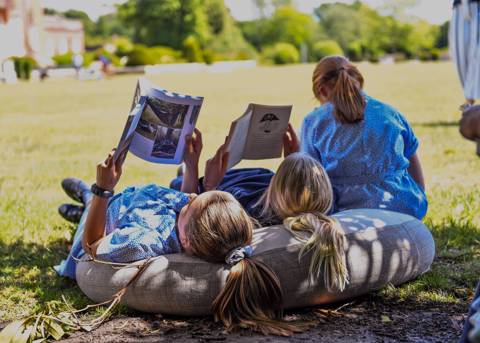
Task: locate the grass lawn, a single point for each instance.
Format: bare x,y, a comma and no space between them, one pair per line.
63,127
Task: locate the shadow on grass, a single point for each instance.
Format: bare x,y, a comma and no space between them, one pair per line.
455,270
436,124
27,268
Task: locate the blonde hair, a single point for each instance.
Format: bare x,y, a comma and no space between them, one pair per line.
301,194
346,83
252,296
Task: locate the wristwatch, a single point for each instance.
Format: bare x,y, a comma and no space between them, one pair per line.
102,193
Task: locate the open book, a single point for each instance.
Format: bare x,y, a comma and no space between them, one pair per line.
258,133
157,124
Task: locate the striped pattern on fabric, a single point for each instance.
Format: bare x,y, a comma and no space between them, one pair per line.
465,45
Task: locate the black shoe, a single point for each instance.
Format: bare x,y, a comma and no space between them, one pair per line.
71,212
76,189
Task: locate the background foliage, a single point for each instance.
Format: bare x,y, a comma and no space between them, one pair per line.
205,31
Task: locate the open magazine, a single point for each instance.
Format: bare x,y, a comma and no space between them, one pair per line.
258,133
157,124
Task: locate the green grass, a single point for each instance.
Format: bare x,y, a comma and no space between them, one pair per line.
62,128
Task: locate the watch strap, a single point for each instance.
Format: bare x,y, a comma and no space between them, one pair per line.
99,191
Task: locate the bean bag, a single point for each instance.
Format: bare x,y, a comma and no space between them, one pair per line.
383,248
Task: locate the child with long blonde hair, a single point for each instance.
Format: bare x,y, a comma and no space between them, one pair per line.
300,194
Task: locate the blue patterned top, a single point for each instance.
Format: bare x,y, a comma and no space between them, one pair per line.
141,223
367,162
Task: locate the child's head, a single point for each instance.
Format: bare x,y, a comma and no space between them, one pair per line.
213,224
299,185
338,81
301,194
216,228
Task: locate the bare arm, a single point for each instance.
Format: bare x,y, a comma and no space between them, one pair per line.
415,170
95,225
215,169
291,143
193,150
108,174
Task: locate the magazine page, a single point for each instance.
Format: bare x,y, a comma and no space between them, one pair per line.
129,130
142,89
265,135
166,119
237,138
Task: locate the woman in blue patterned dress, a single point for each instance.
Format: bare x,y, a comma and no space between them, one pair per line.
149,221
367,147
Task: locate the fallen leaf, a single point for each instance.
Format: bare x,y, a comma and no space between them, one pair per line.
386,319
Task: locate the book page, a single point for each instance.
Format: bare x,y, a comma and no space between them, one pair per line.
237,138
265,135
165,121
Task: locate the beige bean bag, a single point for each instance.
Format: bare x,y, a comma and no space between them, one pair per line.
383,248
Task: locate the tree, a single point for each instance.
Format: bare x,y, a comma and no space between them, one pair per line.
166,22
49,11
88,24
217,15
281,53
290,26
326,48
398,8
262,7
109,25
226,40
442,39
340,22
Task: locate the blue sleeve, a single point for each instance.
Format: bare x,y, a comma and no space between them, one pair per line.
409,138
307,138
176,200
133,244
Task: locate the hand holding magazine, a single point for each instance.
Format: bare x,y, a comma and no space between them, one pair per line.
258,133
157,124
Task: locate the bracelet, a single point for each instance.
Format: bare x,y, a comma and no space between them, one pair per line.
100,192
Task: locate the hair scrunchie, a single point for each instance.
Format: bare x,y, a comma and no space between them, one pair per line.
238,254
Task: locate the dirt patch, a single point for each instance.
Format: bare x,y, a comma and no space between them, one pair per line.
365,320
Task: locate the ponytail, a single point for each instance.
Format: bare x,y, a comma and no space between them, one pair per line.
252,298
220,231
345,82
347,99
327,244
301,194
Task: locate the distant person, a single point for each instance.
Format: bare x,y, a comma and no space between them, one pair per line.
105,64
367,147
43,73
77,61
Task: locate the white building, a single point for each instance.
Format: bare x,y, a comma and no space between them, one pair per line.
25,30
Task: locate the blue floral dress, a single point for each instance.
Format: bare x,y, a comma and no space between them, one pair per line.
367,162
141,223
